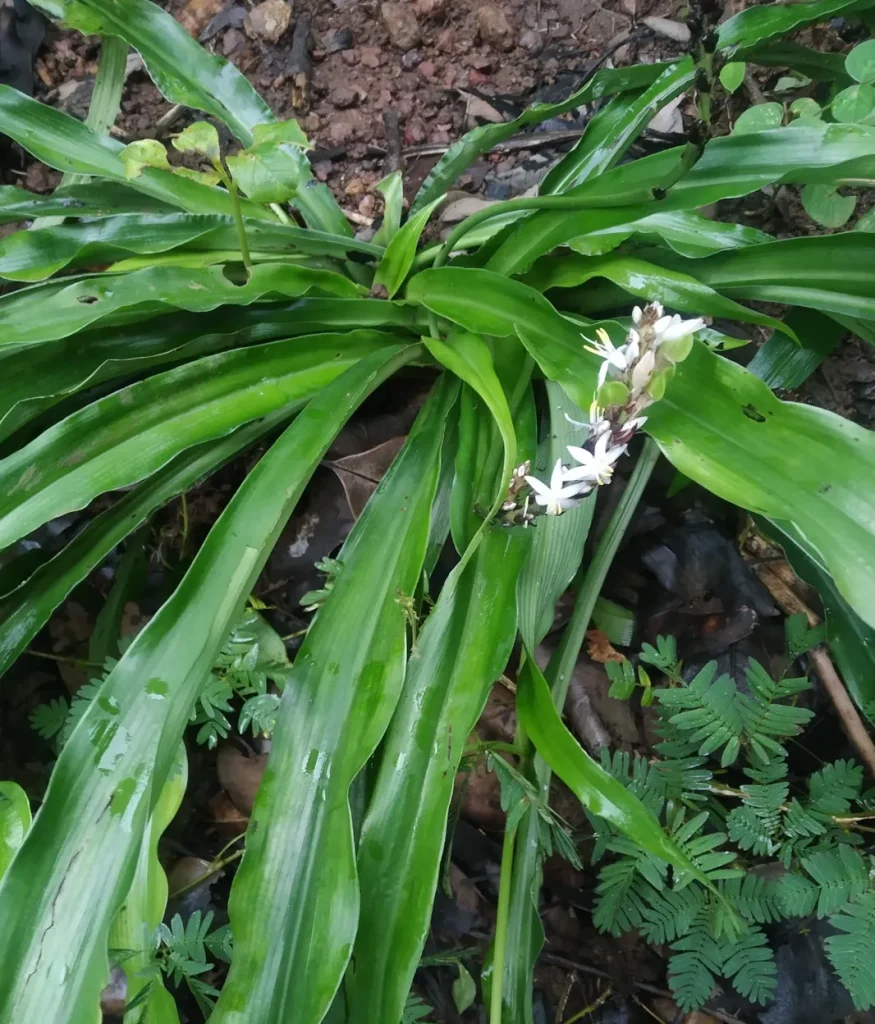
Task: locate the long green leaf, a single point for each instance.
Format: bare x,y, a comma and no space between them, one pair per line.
34,255
825,67
123,437
68,145
468,356
14,822
36,377
609,134
461,650
295,900
596,789
144,905
186,73
731,166
718,424
25,610
55,310
398,257
826,272
783,363
687,233
759,24
92,199
480,140
646,280
79,858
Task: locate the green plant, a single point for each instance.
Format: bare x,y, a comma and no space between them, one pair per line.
737,835
224,319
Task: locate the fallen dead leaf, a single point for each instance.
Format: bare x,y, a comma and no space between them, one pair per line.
240,776
600,649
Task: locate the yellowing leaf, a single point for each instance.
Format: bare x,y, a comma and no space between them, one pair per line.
144,153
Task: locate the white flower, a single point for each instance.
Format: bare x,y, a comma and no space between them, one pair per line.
635,424
555,496
672,328
605,349
597,465
642,371
637,315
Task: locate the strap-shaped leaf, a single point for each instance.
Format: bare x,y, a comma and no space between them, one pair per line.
92,199
15,821
463,647
79,858
649,281
759,24
733,165
464,152
34,255
36,377
68,145
55,310
718,424
25,610
609,134
295,900
123,437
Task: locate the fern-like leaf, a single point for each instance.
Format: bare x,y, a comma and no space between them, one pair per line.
709,711
852,953
755,898
840,874
697,961
834,787
750,963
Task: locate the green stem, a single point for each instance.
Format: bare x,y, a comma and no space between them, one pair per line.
281,213
231,186
565,658
216,864
500,942
63,659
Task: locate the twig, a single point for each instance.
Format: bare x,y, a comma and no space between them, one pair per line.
593,1006
561,961
299,64
169,119
216,864
845,709
394,160
358,218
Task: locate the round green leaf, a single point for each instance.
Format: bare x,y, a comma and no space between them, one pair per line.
824,204
854,103
860,62
144,153
759,118
732,75
788,83
201,138
805,106
14,821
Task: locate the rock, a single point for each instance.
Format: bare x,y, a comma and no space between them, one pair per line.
480,61
479,110
268,21
322,168
342,96
411,59
477,78
414,132
340,131
669,28
233,41
350,57
355,187
371,56
446,40
429,8
401,24
428,70
197,14
493,27
240,776
532,41
339,40
367,206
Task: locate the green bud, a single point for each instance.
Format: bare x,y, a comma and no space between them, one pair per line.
612,392
656,387
678,349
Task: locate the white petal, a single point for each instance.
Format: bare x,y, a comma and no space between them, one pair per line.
663,323
542,491
603,371
581,454
637,313
556,477
643,371
682,329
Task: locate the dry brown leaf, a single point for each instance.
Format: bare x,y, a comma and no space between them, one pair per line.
599,648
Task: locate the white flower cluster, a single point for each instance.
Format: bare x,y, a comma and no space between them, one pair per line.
631,377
